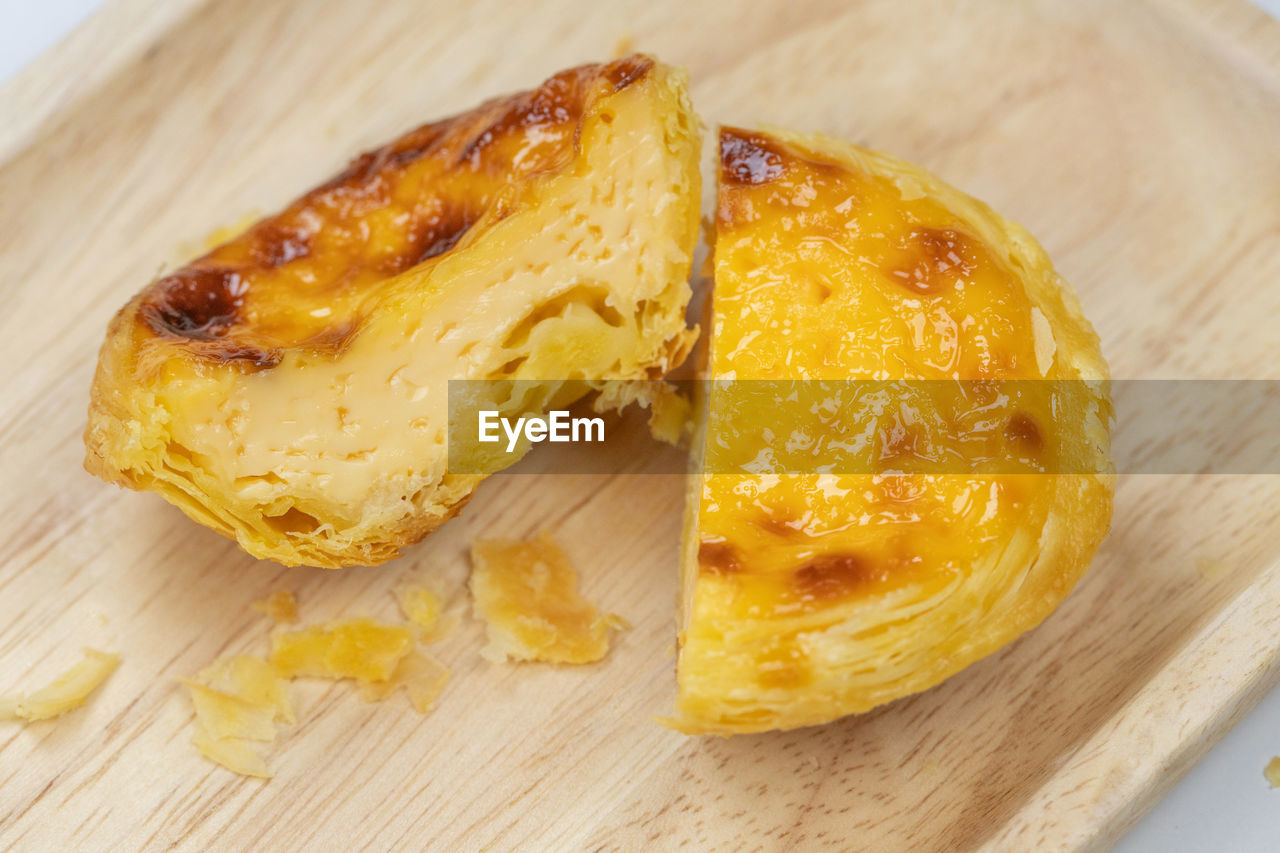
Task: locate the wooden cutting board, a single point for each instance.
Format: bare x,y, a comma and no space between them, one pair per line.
1140,141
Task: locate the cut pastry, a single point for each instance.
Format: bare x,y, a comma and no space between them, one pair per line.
812,593
289,389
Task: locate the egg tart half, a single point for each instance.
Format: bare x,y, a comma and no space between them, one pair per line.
815,590
289,388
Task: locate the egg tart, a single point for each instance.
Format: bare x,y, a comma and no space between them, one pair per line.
815,590
289,388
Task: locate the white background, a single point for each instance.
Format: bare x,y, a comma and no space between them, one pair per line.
1223,803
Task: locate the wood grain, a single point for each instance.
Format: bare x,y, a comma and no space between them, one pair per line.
1138,140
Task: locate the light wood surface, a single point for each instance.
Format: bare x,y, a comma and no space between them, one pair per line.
1140,141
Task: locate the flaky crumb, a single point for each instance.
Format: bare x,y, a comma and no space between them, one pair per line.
252,679
671,416
1272,772
422,677
670,413
66,692
422,607
280,607
527,595
225,715
234,754
238,700
363,649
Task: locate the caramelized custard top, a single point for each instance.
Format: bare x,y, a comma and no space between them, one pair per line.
826,271
297,279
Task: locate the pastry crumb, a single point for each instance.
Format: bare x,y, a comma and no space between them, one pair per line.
421,675
252,679
670,412
421,605
1272,772
67,692
238,700
363,649
280,607
526,593
235,754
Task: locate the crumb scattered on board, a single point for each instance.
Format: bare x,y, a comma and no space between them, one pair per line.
66,692
422,607
526,593
364,649
280,607
238,701
1272,772
421,675
241,700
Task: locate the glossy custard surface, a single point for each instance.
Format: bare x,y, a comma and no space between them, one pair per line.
831,510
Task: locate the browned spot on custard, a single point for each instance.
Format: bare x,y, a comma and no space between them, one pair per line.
748,159
440,232
196,304
623,72
558,103
295,280
831,576
200,308
434,236
938,258
1023,430
718,558
274,245
439,242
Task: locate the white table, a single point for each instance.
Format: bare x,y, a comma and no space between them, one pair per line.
1223,803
